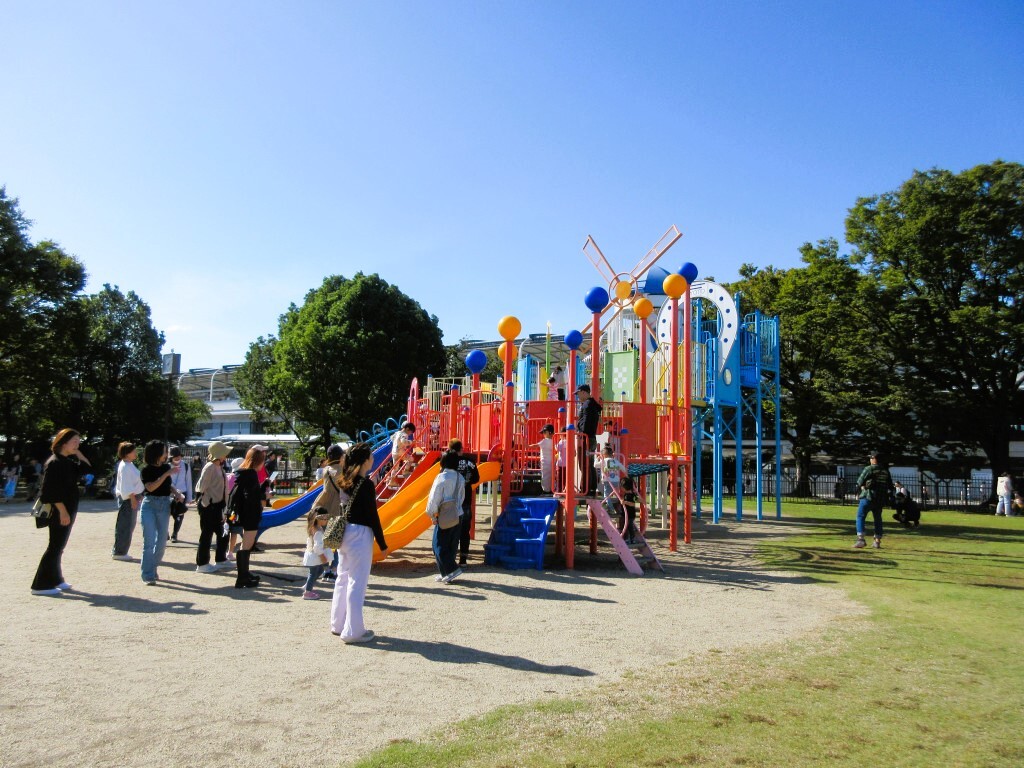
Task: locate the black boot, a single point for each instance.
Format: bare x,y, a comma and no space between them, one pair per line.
244,578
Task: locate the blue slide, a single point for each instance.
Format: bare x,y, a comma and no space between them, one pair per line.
301,506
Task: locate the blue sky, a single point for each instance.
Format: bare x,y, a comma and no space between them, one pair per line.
220,158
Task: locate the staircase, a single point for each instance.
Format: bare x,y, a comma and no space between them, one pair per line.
634,556
520,534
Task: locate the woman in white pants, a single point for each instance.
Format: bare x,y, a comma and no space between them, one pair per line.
359,504
1004,490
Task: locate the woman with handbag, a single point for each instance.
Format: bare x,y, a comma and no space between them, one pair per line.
181,479
248,504
59,488
211,499
359,510
444,507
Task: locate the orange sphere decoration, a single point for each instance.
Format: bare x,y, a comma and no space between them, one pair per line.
623,290
674,286
643,308
501,351
509,327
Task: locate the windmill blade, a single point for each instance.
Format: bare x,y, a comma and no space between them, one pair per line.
658,250
605,322
598,260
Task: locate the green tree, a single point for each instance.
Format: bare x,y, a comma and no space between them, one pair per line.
120,391
37,282
947,250
344,359
833,401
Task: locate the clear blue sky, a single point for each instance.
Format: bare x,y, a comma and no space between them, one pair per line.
220,158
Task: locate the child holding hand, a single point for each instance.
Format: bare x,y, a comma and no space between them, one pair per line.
315,557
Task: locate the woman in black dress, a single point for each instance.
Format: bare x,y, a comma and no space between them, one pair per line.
59,488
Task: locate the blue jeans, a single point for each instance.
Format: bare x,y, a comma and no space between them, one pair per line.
446,541
1005,505
154,515
862,513
315,571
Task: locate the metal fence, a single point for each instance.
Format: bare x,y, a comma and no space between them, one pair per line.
931,493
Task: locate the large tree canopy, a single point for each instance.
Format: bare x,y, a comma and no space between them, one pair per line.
831,400
344,359
947,250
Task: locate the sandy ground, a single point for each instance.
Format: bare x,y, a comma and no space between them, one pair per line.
116,673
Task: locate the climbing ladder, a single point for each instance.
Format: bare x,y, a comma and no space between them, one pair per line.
634,556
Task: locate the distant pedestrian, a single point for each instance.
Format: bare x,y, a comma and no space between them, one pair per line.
1004,489
12,473
876,489
60,488
128,490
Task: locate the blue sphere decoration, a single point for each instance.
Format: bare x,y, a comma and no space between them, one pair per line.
476,361
573,339
596,299
689,272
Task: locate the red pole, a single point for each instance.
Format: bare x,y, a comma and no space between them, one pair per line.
673,524
688,417
507,416
570,473
595,356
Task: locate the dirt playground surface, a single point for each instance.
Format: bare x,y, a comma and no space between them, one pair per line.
193,671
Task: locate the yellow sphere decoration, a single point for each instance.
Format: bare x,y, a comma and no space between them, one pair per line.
674,286
623,289
643,308
509,327
501,351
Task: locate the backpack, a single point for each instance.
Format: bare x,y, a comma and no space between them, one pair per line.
448,511
880,488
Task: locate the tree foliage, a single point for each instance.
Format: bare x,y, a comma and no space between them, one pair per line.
947,251
344,359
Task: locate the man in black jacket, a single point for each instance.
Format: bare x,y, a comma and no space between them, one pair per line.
588,415
467,468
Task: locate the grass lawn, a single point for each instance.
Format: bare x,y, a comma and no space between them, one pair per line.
933,676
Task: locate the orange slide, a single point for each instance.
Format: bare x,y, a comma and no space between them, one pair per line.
403,516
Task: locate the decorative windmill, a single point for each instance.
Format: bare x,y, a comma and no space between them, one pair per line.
624,286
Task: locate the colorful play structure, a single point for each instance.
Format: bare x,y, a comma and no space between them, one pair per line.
677,369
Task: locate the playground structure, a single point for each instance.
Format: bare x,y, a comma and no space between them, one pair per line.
676,367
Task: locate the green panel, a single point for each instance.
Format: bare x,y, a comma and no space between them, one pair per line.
620,375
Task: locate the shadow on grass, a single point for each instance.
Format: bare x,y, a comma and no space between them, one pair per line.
451,653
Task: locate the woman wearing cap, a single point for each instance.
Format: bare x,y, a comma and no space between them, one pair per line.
59,488
357,547
249,495
212,496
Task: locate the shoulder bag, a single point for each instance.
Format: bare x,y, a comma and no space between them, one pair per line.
448,511
334,533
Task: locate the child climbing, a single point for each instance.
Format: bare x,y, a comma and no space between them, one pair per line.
612,473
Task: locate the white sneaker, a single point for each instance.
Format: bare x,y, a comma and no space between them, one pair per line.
453,576
439,577
64,586
123,558
47,592
223,565
208,568
366,637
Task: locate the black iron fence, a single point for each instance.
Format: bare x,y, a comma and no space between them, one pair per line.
964,494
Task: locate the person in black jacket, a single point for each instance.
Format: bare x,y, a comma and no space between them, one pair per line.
466,468
588,415
248,503
59,488
356,552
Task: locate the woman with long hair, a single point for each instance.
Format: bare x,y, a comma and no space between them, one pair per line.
155,512
249,506
356,552
60,488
